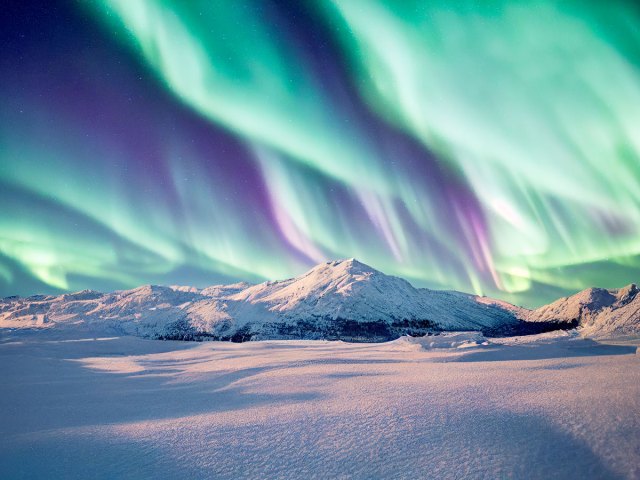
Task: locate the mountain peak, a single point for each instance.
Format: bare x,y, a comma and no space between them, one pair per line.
632,289
595,310
348,265
348,261
627,294
595,298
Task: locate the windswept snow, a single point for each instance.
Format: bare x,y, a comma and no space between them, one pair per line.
442,340
549,406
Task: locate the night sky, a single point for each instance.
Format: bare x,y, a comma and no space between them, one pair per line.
490,146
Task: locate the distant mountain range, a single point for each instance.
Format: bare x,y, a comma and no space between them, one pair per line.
345,300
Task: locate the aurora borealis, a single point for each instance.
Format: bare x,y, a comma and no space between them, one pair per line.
489,147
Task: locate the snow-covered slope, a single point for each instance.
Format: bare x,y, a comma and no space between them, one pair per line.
439,407
344,299
341,300
348,299
595,311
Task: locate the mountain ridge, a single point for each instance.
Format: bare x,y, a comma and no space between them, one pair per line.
342,299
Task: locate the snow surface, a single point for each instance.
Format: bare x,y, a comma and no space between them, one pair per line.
545,406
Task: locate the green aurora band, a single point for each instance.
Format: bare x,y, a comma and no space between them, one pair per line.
529,112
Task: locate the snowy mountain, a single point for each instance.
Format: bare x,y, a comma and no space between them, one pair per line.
595,311
350,300
345,300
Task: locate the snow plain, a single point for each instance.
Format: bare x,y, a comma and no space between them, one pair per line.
548,406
